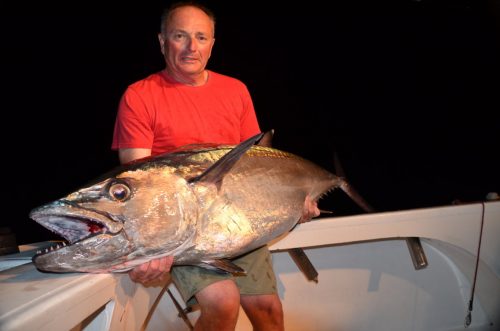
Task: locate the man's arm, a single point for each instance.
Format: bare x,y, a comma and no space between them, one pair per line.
130,154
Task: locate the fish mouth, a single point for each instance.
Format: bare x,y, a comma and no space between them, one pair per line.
74,228
76,225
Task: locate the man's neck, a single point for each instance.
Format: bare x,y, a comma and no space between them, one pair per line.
195,80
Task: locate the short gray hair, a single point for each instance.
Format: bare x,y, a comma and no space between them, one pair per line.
165,17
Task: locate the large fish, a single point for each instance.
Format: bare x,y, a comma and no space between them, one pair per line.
202,204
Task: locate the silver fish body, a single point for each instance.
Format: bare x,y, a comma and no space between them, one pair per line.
201,204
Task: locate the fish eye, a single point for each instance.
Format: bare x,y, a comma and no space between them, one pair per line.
119,191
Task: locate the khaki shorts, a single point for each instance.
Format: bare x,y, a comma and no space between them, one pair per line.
259,278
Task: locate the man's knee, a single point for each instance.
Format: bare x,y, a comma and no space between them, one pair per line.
273,308
263,309
220,299
265,302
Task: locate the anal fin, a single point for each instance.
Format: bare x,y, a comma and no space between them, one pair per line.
223,265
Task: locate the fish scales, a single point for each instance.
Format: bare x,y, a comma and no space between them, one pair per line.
203,204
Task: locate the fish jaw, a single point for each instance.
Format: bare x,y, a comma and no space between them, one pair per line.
91,255
93,236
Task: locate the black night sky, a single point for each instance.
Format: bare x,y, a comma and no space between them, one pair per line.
406,92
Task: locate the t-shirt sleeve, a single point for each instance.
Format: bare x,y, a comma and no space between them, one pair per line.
249,124
133,125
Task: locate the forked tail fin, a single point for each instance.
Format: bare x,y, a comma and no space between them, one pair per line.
348,188
355,196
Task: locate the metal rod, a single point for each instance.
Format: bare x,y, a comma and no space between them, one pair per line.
302,261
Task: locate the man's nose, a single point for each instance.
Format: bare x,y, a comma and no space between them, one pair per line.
192,44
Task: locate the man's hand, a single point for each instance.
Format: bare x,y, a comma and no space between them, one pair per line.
154,270
309,210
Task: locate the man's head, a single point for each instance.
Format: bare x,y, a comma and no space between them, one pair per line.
186,39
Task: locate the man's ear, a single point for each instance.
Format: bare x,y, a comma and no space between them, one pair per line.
162,43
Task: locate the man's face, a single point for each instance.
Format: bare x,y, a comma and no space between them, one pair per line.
188,41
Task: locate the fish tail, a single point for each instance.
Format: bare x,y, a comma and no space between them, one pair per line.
348,188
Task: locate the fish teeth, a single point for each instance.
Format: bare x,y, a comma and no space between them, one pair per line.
52,248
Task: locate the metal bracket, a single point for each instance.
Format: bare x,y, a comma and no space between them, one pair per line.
302,261
416,252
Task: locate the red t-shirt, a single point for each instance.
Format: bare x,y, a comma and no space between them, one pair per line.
160,114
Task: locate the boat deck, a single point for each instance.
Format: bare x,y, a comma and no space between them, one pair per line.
367,280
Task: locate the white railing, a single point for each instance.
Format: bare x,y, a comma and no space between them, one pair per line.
31,300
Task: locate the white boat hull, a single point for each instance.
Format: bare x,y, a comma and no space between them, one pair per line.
367,280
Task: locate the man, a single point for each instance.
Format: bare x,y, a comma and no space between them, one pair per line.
184,104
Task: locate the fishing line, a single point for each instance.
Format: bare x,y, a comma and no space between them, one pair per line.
468,317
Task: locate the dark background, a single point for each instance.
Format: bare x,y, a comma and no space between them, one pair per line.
406,92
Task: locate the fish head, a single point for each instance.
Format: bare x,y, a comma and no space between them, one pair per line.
119,222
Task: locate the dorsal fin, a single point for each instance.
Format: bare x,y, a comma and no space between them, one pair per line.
267,139
216,172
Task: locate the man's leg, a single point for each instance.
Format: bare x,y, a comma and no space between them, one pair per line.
220,292
259,297
264,311
219,306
